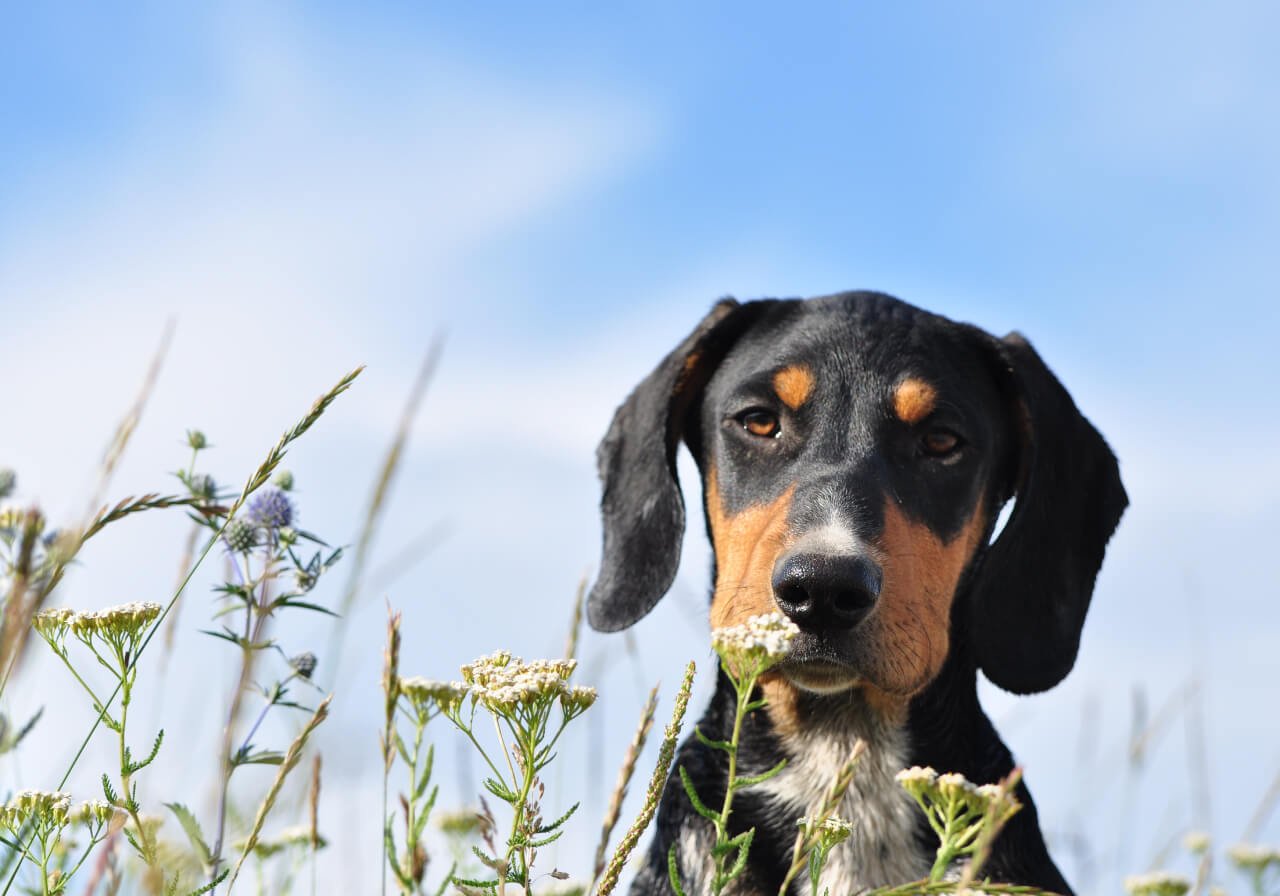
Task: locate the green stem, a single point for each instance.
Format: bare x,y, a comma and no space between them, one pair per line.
743,689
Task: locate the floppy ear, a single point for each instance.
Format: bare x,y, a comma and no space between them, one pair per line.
1033,589
642,506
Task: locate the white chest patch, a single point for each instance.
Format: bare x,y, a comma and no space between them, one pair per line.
882,849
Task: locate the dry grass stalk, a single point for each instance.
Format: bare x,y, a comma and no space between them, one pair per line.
381,490
990,829
826,809
624,781
313,802
575,622
657,782
291,758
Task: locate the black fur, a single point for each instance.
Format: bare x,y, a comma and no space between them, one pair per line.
1020,604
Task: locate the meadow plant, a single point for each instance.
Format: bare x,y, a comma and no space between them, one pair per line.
966,817
1261,864
530,705
40,818
746,652
32,563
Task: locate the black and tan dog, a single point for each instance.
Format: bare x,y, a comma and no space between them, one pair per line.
855,452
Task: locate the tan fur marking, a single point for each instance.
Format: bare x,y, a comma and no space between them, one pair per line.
783,704
913,400
908,635
794,385
746,547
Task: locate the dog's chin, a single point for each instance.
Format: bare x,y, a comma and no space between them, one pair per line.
820,677
820,667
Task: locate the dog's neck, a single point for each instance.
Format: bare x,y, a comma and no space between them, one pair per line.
891,843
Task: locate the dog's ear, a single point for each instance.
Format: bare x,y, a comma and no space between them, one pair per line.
1033,589
642,507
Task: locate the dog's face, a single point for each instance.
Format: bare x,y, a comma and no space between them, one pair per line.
855,452
852,463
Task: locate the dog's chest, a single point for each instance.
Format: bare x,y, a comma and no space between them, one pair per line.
883,848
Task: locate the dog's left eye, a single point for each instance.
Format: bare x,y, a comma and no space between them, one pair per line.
939,443
760,422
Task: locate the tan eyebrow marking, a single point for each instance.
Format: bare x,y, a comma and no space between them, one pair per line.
794,385
913,400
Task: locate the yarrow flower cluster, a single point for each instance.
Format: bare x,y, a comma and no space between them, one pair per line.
1196,842
828,831
121,626
1255,859
503,682
1157,883
759,643
38,807
958,810
426,693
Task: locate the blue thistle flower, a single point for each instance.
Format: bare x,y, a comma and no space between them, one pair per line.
271,509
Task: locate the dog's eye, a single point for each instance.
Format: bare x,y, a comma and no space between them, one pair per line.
760,422
939,443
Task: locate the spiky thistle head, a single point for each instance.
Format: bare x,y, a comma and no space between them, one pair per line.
271,509
240,535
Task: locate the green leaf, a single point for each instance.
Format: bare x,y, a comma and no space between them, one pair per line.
262,757
698,805
547,828
283,602
131,766
448,879
744,847
192,829
724,745
500,790
673,871
211,884
752,780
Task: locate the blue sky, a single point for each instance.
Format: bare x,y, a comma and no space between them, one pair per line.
307,188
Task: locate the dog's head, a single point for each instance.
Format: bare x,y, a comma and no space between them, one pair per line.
855,452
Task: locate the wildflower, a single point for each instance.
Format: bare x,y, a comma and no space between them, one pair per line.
578,698
52,624
41,808
196,440
93,813
503,682
288,536
271,509
829,831
304,664
284,479
203,486
916,780
1250,857
423,692
125,622
8,481
1157,883
459,823
1196,842
759,643
240,536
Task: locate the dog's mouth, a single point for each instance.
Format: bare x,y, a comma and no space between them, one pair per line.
816,664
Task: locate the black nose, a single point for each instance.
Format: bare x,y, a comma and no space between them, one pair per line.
822,592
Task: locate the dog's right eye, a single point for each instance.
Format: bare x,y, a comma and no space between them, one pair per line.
761,423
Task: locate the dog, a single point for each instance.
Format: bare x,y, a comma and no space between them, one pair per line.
855,453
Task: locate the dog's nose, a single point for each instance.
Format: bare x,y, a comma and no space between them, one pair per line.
821,591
